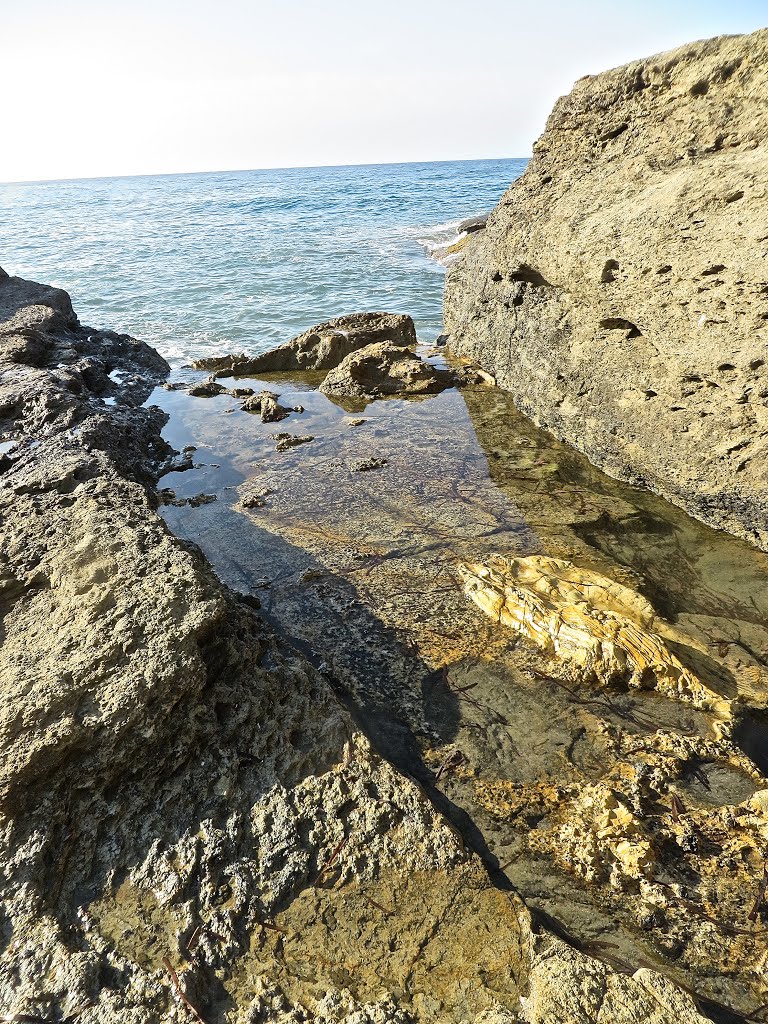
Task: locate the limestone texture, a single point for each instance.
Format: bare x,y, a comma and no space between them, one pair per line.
192,826
384,369
321,347
619,289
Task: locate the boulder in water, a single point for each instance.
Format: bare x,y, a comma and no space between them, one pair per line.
384,369
322,347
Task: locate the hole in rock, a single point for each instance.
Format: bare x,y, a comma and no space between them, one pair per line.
616,323
608,275
528,275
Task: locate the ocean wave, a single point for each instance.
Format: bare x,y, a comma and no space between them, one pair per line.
175,261
440,239
437,236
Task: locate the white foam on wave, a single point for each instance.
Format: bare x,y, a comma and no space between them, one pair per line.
438,236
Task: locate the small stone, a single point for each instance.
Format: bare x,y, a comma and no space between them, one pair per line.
366,465
207,389
266,403
287,441
256,498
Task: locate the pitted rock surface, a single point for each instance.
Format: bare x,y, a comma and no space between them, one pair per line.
619,290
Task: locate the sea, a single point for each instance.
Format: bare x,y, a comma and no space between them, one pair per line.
239,261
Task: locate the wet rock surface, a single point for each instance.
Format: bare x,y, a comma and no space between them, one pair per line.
466,228
618,290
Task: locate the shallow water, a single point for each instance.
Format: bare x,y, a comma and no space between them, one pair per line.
358,569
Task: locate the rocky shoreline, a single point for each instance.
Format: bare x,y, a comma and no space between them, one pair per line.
197,821
472,733
193,823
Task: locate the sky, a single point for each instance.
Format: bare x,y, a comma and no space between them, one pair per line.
98,88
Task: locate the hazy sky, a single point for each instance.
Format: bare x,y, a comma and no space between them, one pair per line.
95,87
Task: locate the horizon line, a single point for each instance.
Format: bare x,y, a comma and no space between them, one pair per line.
250,170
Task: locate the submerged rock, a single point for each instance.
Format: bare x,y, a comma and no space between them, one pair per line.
266,403
287,441
366,465
619,288
321,347
384,369
598,628
207,389
168,496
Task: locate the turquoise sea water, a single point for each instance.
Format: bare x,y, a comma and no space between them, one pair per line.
239,261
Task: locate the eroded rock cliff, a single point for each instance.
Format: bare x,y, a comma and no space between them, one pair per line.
620,289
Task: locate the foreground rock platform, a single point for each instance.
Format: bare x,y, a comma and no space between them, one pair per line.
619,289
193,827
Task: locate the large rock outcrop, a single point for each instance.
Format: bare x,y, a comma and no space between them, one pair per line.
620,288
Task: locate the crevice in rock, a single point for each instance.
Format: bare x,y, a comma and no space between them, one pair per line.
616,323
528,275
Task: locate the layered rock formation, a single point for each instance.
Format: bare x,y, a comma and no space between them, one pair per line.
597,628
619,290
192,825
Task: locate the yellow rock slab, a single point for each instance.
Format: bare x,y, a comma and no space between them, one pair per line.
599,628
